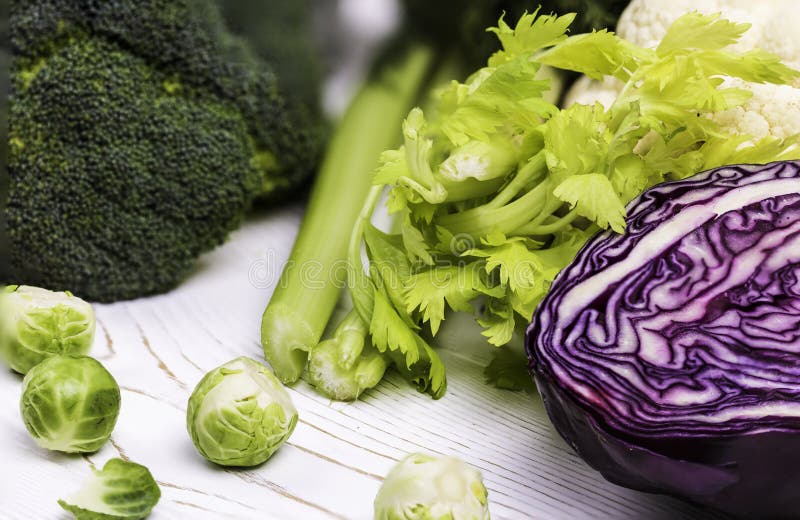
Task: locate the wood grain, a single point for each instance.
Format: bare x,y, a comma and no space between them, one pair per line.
331,468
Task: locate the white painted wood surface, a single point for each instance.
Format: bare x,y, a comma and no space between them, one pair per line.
331,467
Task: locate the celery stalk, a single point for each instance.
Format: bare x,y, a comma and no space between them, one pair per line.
310,285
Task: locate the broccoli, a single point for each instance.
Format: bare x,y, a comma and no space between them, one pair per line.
5,86
140,133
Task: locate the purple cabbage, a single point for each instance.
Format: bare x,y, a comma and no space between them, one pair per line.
668,357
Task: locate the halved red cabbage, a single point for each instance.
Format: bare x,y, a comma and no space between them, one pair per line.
669,356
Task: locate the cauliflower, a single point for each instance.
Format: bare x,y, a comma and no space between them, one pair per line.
772,110
644,22
587,91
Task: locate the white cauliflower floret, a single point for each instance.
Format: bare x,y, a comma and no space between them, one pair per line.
780,34
587,91
773,109
645,22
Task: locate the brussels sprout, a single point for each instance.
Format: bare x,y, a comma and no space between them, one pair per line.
70,404
36,323
122,490
423,487
239,414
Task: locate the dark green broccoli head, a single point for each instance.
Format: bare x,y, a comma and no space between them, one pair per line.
140,132
5,87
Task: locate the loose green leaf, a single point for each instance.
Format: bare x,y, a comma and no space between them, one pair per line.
695,31
514,258
389,267
122,490
530,34
493,98
498,321
412,356
457,285
596,54
428,373
414,243
577,124
593,196
389,332
508,370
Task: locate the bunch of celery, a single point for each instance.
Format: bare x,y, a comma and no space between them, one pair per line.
389,322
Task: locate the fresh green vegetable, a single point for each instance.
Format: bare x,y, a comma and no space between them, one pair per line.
239,414
462,23
70,404
281,33
437,44
305,298
498,190
507,369
771,110
122,490
5,63
5,88
347,364
36,324
140,133
423,487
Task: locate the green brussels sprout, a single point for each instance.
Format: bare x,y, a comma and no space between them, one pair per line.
122,490
239,414
36,323
423,487
70,404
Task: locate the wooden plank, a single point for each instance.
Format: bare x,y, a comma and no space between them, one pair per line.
158,348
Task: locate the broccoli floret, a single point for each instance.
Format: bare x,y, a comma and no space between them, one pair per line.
5,87
140,133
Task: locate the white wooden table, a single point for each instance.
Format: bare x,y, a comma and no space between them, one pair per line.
331,467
